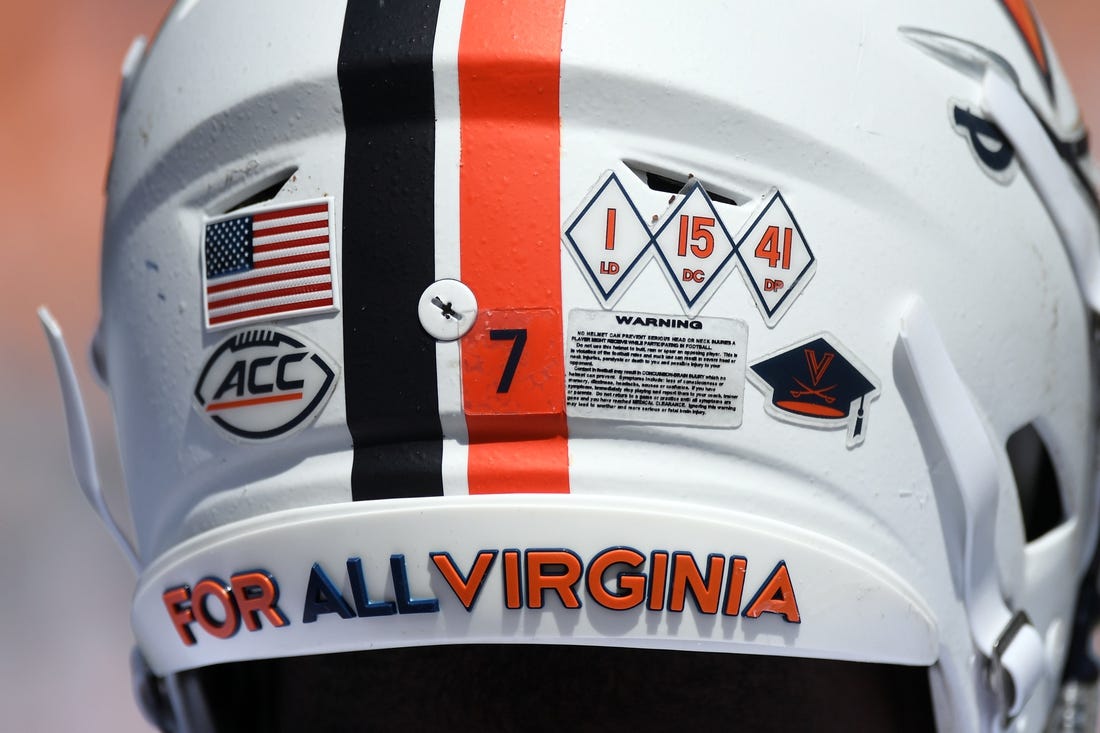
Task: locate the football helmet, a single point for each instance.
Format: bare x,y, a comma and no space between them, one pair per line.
513,365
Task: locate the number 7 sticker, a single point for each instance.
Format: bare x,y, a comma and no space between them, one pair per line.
518,337
506,364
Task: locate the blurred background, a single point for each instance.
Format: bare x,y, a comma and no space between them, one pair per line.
64,587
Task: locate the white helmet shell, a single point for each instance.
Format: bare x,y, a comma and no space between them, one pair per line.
597,324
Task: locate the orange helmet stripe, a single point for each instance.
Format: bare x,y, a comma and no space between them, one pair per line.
510,257
1027,23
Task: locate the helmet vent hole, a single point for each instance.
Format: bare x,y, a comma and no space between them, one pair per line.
1036,482
269,191
674,183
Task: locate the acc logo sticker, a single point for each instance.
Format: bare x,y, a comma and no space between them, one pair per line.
264,383
817,383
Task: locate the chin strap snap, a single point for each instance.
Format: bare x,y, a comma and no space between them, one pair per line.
1010,643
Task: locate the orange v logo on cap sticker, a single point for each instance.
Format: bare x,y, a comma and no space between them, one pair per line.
1027,23
818,368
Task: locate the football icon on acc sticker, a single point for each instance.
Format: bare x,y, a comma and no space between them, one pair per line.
817,383
264,383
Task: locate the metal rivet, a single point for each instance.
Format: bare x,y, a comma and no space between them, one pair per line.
447,309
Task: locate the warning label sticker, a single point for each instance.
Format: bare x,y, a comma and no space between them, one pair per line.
655,368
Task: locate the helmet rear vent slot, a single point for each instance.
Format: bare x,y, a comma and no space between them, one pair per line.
270,188
1037,486
674,183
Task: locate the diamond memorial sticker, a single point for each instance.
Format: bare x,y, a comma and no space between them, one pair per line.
694,247
608,239
776,260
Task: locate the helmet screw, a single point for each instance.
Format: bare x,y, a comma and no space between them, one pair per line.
447,309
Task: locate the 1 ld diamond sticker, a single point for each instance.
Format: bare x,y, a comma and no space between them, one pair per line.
608,239
695,248
776,261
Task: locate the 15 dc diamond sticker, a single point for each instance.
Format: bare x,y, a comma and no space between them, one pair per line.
695,248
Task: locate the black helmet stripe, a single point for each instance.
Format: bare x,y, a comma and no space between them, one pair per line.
386,86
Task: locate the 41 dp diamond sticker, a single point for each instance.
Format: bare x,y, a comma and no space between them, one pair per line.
608,238
694,247
776,261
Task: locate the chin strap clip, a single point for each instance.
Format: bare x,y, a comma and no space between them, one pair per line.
1017,664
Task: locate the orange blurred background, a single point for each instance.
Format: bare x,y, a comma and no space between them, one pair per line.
64,588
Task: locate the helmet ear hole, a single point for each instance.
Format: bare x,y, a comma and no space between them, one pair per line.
1037,487
674,183
268,192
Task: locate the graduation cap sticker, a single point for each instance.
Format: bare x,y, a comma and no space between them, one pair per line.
817,383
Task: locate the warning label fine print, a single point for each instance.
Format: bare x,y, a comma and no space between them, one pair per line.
655,368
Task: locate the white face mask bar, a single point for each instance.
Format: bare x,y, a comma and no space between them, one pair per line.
1068,204
1073,215
1006,638
1073,210
80,436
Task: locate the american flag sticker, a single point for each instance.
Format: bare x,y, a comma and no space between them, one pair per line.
268,263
